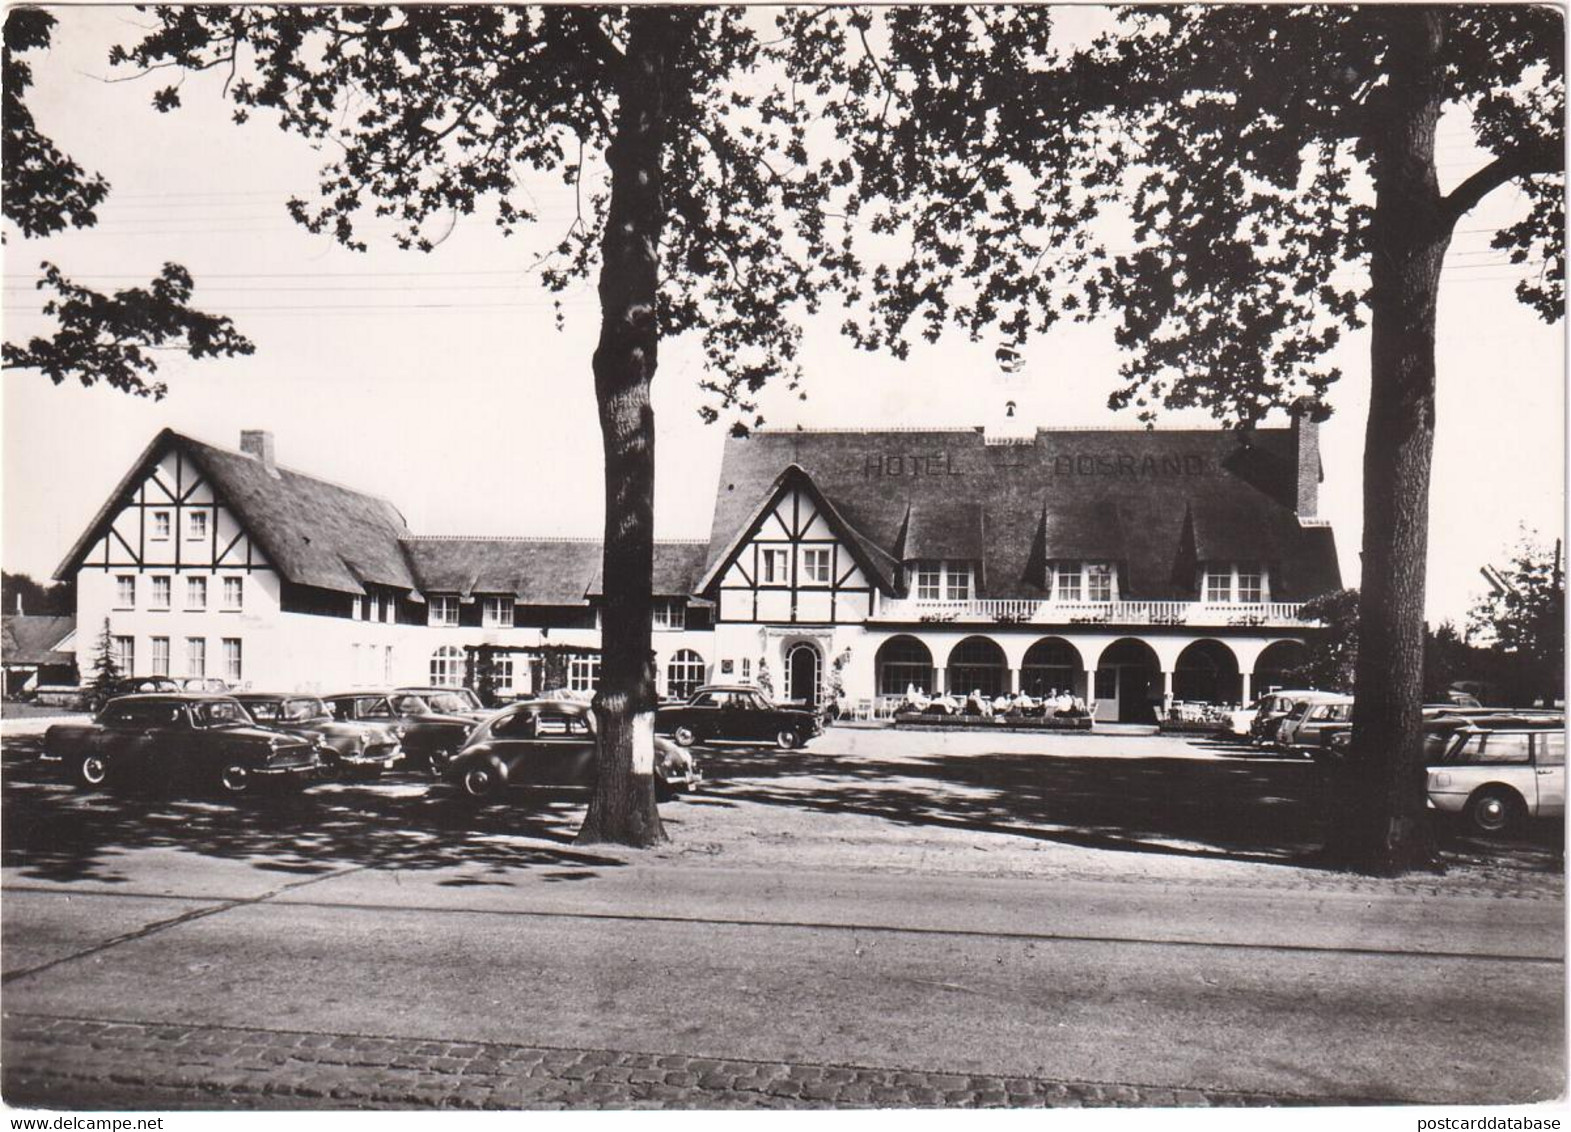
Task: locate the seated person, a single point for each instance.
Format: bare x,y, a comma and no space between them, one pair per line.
976,705
1063,704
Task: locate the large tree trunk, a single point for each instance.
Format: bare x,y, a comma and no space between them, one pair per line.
1381,824
622,808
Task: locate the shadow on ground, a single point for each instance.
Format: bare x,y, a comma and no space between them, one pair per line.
1245,806
1241,807
50,831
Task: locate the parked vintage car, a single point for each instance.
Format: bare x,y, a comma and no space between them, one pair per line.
549,745
352,748
430,738
1498,777
442,701
93,699
205,684
179,738
1277,706
736,713
1302,730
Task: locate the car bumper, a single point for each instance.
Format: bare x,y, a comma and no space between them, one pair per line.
303,770
687,781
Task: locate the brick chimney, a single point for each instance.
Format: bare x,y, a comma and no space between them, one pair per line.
1307,414
258,444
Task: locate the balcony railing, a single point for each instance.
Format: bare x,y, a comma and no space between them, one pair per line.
1020,611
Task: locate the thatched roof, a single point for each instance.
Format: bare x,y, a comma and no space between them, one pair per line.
313,532
1147,500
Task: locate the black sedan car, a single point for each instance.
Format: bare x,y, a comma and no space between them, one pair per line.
549,745
179,739
738,713
352,748
430,737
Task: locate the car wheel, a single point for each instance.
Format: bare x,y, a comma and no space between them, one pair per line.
483,781
684,736
1494,810
787,739
234,779
91,771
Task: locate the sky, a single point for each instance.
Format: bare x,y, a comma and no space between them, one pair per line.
441,382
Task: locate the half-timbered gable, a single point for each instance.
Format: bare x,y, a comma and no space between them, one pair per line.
795,562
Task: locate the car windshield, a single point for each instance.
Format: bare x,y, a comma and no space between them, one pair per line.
410,705
220,713
460,701
263,711
296,711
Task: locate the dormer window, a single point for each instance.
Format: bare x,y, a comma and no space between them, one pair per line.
1082,581
443,610
668,613
196,525
943,581
497,613
160,526
1244,583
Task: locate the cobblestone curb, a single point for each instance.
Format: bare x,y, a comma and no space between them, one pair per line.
275,1068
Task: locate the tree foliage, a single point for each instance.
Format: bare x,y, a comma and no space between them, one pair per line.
113,338
1275,177
1201,174
440,113
106,670
1523,619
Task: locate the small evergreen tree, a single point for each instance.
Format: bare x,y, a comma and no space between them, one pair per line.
106,669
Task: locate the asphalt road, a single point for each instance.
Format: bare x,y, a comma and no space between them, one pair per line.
1205,982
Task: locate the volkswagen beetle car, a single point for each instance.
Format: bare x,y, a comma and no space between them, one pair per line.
549,745
737,713
1498,777
430,737
202,740
349,748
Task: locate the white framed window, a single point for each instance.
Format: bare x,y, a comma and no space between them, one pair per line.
160,656
195,525
497,613
502,675
1066,582
668,613
815,565
1219,583
125,655
447,665
1250,588
684,674
583,672
929,581
196,656
389,609
774,565
160,532
957,581
1099,581
444,610
125,591
357,608
234,593
162,588
233,658
747,668
196,593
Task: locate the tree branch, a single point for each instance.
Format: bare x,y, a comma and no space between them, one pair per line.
1518,163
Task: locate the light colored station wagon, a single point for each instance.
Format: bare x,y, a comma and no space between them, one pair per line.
1498,778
